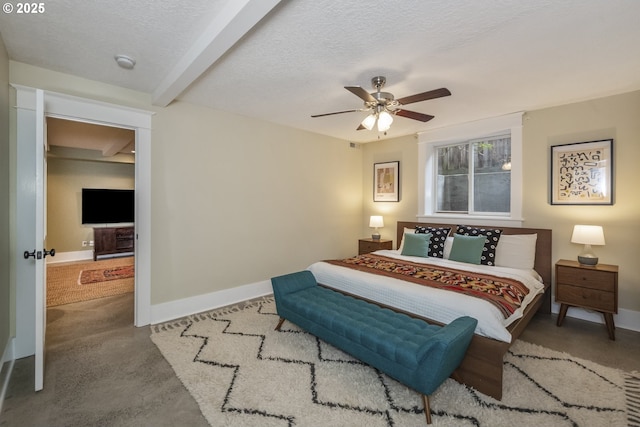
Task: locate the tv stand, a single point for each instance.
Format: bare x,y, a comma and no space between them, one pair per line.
112,242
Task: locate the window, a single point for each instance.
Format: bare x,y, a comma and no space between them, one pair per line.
472,170
474,177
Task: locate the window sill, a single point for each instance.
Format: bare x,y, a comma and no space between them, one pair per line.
472,219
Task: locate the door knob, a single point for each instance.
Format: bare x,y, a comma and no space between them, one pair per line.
39,254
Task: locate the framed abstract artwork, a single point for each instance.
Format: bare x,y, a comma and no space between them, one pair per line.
386,182
582,173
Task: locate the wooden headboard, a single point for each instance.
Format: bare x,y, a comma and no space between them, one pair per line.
542,263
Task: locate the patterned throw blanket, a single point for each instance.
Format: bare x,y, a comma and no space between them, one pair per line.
504,293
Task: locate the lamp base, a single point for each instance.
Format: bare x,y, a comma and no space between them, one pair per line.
375,236
587,260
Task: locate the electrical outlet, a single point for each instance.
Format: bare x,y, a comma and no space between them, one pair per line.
84,243
90,242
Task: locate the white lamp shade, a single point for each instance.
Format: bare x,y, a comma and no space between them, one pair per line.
588,235
384,121
376,221
369,121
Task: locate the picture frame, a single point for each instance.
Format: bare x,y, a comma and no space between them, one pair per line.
386,182
582,173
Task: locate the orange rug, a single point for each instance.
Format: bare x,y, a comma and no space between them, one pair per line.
105,274
64,280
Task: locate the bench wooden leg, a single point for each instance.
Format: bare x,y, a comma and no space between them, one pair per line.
427,408
280,324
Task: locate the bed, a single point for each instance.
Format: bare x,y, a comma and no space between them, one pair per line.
482,367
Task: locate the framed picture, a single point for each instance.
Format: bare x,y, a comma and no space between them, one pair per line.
582,173
386,182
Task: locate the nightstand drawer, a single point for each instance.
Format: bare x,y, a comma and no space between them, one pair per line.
366,246
585,297
593,279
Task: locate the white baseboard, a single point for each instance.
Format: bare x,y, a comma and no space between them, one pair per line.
625,319
6,369
8,352
176,309
118,255
70,256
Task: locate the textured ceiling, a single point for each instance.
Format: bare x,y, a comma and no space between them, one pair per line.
282,61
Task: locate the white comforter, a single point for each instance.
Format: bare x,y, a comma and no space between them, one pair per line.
436,304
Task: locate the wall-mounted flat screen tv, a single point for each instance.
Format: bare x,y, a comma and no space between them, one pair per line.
107,206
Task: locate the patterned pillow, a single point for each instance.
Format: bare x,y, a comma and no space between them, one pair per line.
492,236
438,237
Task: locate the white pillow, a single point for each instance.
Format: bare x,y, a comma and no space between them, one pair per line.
406,230
516,251
447,247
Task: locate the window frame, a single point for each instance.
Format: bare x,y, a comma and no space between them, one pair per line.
427,169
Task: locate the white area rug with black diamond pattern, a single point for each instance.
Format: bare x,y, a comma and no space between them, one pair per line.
243,373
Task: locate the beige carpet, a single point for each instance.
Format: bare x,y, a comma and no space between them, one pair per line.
63,286
243,373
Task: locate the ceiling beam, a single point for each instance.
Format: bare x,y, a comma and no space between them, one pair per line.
115,146
229,26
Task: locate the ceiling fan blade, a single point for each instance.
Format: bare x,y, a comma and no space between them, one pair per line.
360,127
432,94
361,93
337,112
414,115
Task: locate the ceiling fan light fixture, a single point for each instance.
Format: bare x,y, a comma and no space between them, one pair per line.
384,121
369,121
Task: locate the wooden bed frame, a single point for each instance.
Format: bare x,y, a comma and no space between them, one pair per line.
482,367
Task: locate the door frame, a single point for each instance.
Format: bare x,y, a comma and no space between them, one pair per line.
91,111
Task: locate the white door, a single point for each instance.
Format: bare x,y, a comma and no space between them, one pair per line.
31,230
41,235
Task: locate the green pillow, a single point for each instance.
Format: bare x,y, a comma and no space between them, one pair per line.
467,248
416,244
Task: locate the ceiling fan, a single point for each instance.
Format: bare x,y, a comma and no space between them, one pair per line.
383,106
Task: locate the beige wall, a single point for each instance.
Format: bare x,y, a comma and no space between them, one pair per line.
66,179
234,200
226,187
612,117
405,150
6,305
237,201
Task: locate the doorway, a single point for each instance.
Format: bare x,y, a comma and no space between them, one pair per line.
90,202
89,111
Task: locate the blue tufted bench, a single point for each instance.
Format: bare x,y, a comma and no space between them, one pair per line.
419,355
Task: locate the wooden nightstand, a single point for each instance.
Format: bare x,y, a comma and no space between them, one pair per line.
592,287
369,245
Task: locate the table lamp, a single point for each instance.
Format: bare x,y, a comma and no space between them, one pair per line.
376,222
588,235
